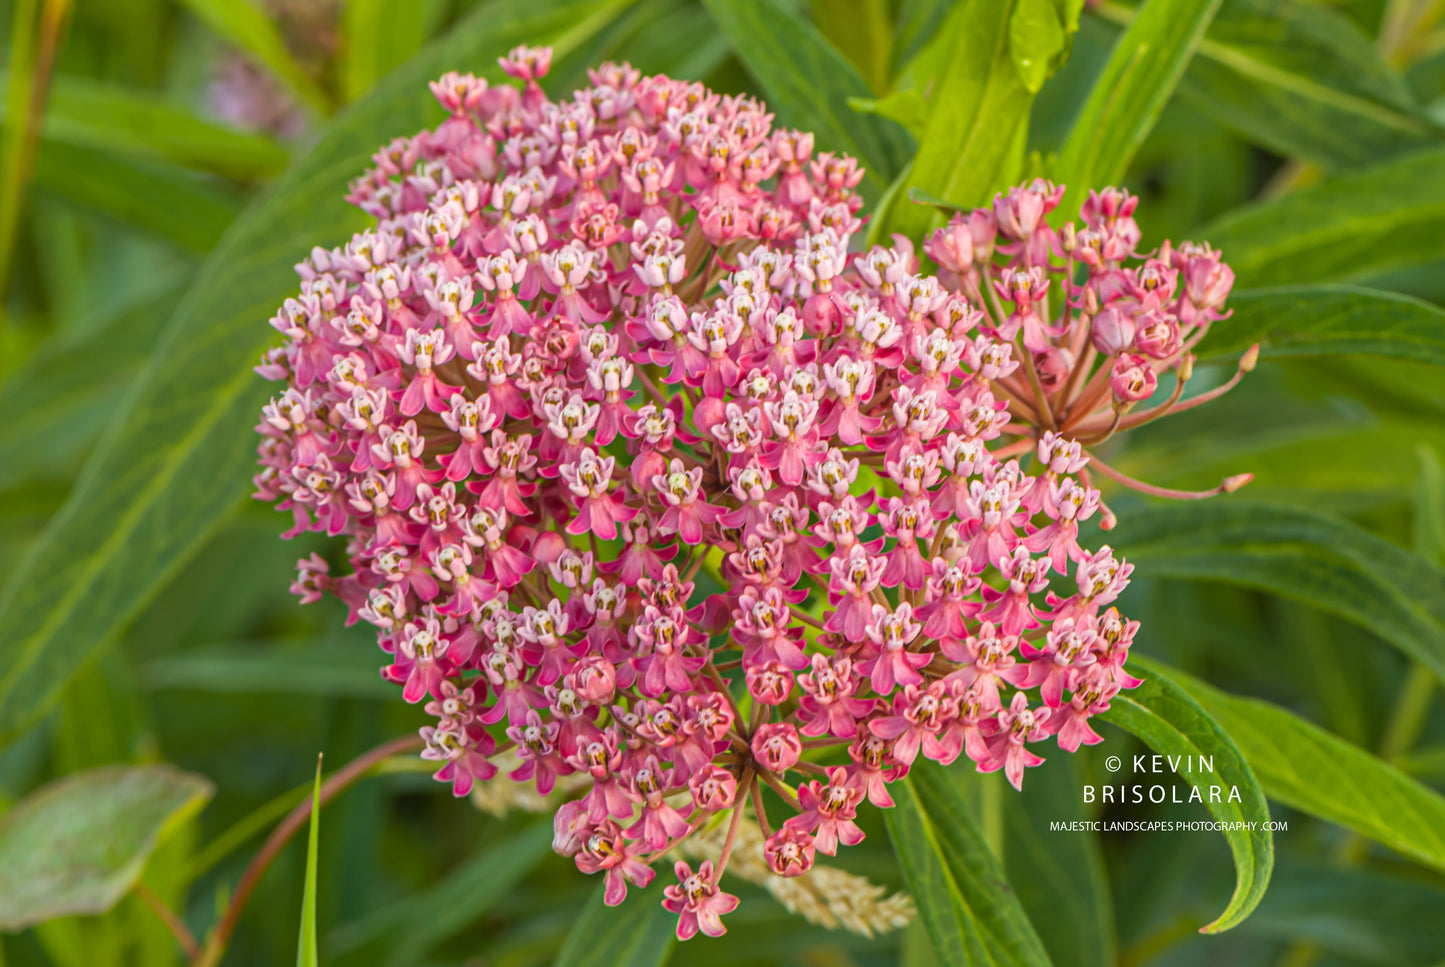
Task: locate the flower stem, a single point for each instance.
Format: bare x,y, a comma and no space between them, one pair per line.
1229,486
755,792
727,850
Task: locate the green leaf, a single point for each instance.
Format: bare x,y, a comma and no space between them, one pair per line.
59,402
404,932
1136,83
85,113
331,665
246,25
1299,554
1059,876
1359,916
379,35
861,31
177,458
1305,767
1429,536
978,104
1329,320
172,203
306,955
639,933
918,21
1351,227
16,144
1172,724
1297,462
908,107
1303,81
807,84
78,845
1035,40
963,896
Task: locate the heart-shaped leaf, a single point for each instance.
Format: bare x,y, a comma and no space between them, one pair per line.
78,845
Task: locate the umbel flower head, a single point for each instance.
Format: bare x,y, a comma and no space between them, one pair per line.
650,478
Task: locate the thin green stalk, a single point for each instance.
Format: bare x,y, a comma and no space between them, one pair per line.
33,46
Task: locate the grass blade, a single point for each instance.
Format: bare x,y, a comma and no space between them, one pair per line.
306,955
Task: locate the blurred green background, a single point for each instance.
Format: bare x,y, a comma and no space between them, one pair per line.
1304,138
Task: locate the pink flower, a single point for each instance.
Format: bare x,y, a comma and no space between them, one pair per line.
697,901
606,849
614,418
1017,724
921,717
789,852
1132,379
827,812
776,746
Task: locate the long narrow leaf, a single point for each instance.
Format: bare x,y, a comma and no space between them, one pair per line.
638,934
1060,876
1173,724
378,35
1310,557
862,31
1329,319
963,896
246,25
1303,766
179,206
1136,83
404,932
1359,916
1301,80
1352,227
975,117
85,113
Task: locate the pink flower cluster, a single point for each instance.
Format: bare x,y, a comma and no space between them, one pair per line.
600,352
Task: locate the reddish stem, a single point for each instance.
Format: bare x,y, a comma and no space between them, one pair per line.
727,850
1229,486
173,923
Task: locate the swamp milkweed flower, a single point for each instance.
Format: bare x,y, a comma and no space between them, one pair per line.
649,480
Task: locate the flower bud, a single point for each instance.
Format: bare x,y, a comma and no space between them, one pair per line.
1113,331
595,679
